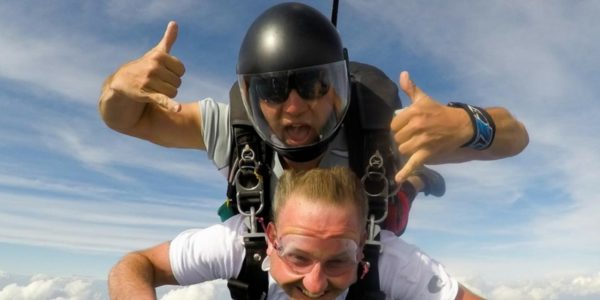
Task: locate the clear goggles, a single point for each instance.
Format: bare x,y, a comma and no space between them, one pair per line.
301,253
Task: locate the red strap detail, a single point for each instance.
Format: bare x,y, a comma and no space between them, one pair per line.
398,211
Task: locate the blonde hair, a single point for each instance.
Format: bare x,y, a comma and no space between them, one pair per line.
337,186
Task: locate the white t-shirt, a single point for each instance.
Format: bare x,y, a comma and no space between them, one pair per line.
217,252
409,274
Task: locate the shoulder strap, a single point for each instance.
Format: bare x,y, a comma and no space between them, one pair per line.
248,193
249,162
367,288
374,99
372,157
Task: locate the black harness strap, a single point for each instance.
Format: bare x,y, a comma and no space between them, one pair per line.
367,288
249,193
371,157
252,283
374,100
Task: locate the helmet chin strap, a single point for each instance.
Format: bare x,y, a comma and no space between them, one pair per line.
307,153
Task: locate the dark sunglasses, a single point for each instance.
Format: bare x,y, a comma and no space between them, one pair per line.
310,84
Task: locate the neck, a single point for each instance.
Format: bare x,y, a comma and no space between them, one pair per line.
311,164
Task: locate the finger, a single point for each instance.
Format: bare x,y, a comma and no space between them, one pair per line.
168,77
168,38
400,119
414,162
401,137
164,102
413,92
162,87
174,65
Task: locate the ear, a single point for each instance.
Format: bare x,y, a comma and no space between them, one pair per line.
271,235
363,238
363,241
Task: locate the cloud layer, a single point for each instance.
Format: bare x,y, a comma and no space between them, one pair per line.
43,287
68,183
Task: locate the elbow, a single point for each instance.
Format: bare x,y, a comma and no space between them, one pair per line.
132,276
115,276
119,113
512,136
521,140
509,147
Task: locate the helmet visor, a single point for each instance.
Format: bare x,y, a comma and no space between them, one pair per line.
299,107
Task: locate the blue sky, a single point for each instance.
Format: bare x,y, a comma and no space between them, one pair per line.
75,196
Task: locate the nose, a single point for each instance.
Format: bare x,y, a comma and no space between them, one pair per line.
315,281
294,105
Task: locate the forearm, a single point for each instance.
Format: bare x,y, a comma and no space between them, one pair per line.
132,278
510,139
117,110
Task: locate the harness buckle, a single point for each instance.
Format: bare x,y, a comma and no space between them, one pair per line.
376,187
373,230
249,187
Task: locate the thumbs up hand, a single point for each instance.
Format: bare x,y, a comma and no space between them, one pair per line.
154,77
427,131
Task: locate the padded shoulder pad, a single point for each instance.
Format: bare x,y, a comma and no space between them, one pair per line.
376,95
237,113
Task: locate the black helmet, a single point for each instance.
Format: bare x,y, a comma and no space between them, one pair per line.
293,48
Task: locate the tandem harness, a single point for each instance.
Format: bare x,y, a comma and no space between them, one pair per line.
371,156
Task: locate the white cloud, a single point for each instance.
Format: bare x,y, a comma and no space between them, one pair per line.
45,58
520,213
152,11
99,223
92,145
573,287
37,59
148,10
43,287
542,65
82,144
204,291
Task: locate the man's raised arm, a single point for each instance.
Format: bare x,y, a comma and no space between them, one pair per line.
137,99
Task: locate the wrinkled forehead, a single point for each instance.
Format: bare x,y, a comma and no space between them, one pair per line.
318,247
300,215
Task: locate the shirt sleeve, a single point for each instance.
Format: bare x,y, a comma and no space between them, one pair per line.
216,131
405,272
215,252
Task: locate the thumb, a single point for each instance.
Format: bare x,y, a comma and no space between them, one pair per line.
168,38
410,88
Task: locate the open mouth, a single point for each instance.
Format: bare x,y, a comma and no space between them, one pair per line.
298,135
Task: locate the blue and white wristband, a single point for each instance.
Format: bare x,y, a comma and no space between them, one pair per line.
484,128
